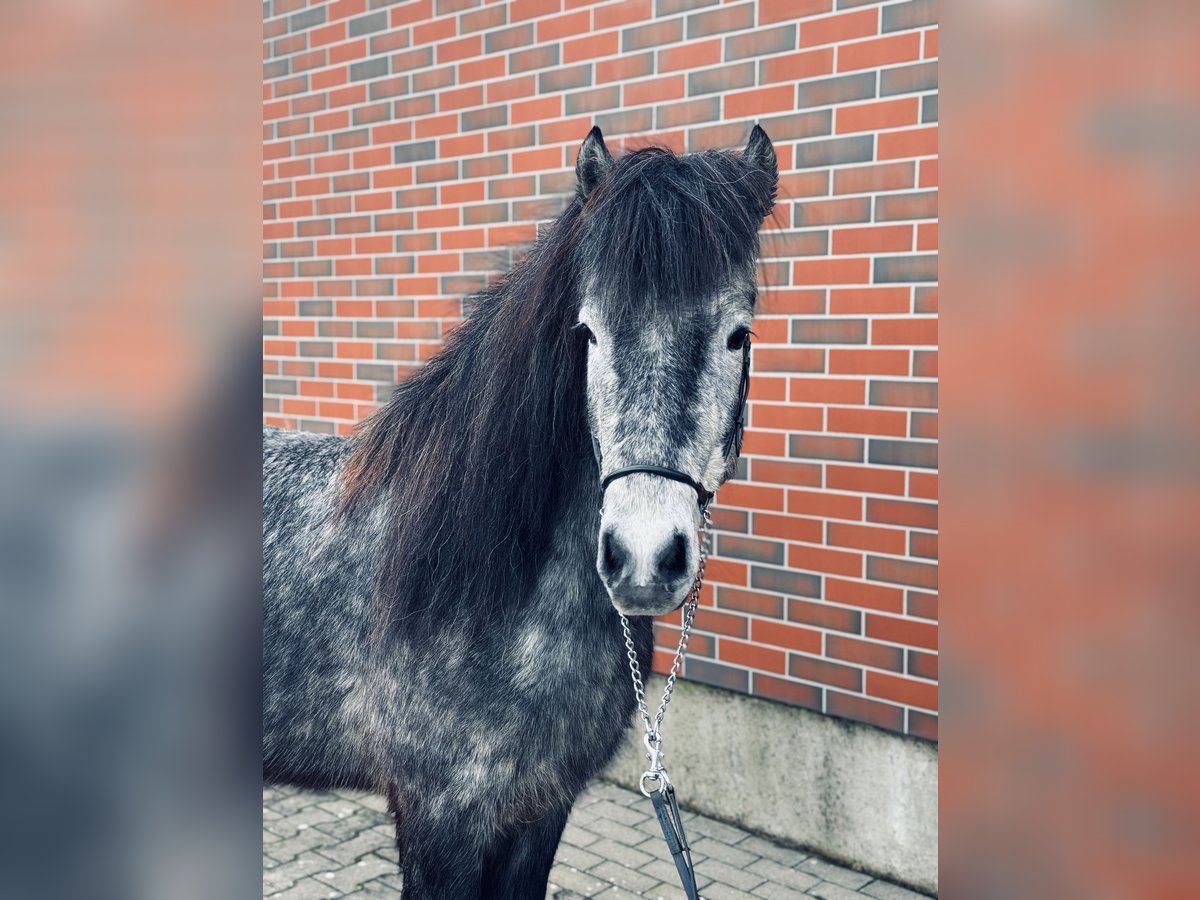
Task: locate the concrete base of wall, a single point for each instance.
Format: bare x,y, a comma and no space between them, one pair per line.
861,796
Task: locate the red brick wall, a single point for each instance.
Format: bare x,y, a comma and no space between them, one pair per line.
409,148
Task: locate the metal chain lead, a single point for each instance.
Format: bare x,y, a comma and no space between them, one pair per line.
653,738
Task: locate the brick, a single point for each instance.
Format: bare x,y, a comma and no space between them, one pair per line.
924,425
903,144
929,108
867,421
723,79
922,454
713,673
831,271
752,656
761,42
825,560
819,447
909,332
792,359
825,390
899,571
632,120
871,179
563,26
784,581
592,100
914,14
840,89
802,184
921,605
779,10
481,19
591,47
674,115
750,602
629,65
643,36
867,537
488,117
829,331
834,29
832,212
925,363
720,21
875,116
918,205
371,68
721,623
790,637
750,549
796,126
927,239
874,240
883,51
860,709
796,66
367,24
533,58
640,93
809,668
692,55
435,79
879,656
784,691
508,38
922,665
857,593
308,19
908,79
823,615
834,151
911,394
902,690
922,725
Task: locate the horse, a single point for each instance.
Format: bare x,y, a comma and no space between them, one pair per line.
442,589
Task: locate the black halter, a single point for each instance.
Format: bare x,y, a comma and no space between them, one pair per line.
733,445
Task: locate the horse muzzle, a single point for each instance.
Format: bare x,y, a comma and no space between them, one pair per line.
648,552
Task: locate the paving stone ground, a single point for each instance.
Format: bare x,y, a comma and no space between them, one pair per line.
340,844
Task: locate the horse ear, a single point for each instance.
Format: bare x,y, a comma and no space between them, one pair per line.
760,153
592,164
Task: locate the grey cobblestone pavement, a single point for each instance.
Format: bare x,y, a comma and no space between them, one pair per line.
318,845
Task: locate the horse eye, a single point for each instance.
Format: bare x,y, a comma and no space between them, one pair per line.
737,340
586,332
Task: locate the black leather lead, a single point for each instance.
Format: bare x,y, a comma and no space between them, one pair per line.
667,811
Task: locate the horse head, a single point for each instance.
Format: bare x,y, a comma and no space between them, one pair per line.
665,265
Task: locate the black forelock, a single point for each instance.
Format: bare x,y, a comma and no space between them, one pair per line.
662,231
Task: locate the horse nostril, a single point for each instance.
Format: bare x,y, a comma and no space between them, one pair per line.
672,559
614,557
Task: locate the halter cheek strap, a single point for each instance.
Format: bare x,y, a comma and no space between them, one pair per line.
733,445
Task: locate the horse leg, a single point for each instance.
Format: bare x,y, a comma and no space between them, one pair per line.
518,867
393,798
442,857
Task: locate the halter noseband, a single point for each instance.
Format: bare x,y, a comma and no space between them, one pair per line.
733,445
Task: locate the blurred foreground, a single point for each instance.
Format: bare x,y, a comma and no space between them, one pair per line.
129,499
1070,450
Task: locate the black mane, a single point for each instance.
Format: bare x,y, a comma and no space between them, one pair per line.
476,451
